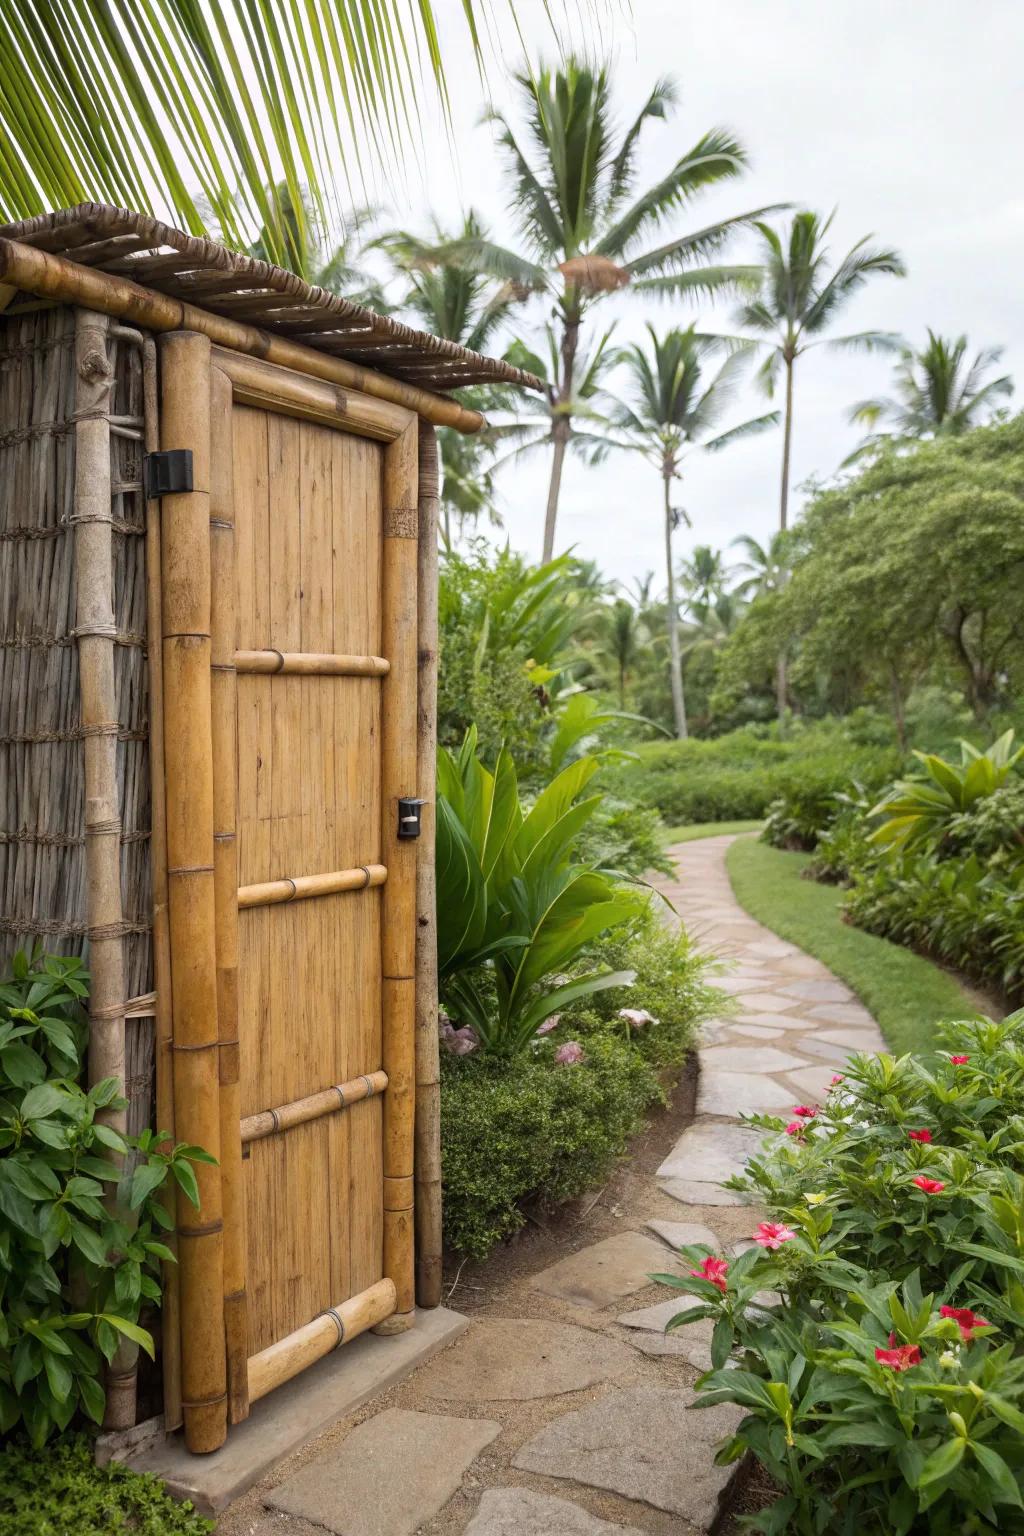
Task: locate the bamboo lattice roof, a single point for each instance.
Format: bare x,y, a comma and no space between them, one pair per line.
136,246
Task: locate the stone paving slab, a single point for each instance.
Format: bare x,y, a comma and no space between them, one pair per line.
695,1192
819,991
690,1341
683,1234
522,1512
842,1013
596,1276
389,1476
765,1002
753,1031
765,1059
739,1093
709,1153
516,1359
642,1443
814,1082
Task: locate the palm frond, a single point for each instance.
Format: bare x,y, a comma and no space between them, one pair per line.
751,428
717,156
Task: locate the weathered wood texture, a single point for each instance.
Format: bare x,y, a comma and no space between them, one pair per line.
43,883
308,532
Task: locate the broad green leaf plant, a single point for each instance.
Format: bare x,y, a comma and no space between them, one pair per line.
82,1222
516,911
917,811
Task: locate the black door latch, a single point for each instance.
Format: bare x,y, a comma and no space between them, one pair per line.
409,816
167,473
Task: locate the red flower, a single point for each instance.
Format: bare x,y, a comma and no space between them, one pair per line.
930,1186
772,1234
795,1128
836,1079
920,1135
965,1319
959,1061
714,1270
900,1359
805,1111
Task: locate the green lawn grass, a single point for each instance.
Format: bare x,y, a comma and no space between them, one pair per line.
907,994
689,834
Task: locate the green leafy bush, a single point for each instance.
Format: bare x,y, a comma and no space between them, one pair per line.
76,1265
514,1132
61,1489
884,1389
917,811
515,907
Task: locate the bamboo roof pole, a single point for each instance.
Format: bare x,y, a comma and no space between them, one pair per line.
188,755
31,270
223,692
170,1335
428,1070
398,908
95,630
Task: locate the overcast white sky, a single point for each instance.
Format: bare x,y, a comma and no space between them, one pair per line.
906,114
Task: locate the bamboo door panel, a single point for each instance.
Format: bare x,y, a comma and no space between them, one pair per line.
308,537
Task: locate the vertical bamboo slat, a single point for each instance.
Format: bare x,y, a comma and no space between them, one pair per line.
95,631
428,1070
398,915
188,757
170,1333
223,691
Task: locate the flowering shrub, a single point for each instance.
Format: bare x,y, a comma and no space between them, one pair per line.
874,1330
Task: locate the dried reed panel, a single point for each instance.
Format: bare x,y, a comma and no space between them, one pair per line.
308,537
42,791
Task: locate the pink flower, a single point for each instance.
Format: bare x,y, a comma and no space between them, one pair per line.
550,1024
924,1135
930,1186
966,1320
959,1061
772,1234
900,1359
569,1054
636,1018
795,1128
836,1080
714,1270
805,1111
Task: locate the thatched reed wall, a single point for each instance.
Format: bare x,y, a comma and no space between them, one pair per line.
42,805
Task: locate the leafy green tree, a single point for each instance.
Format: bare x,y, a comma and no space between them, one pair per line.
801,296
676,404
766,566
588,230
939,392
138,105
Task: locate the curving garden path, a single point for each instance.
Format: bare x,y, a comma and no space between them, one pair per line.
561,1409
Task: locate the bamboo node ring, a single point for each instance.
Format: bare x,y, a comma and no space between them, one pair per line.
369,1086
280,657
276,1118
295,889
366,872
332,1313
339,1090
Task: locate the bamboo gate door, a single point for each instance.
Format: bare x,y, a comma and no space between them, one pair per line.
288,598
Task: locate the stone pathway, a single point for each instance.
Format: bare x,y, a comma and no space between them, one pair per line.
559,1413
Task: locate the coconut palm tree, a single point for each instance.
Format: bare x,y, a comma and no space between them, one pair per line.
621,636
170,106
589,229
767,568
704,576
938,393
337,267
801,295
676,403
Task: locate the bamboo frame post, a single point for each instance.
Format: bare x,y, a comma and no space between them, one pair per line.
223,693
170,1332
95,631
188,760
428,1068
398,908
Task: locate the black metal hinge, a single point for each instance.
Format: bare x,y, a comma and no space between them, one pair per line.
167,473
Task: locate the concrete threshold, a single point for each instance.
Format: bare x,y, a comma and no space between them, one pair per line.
297,1412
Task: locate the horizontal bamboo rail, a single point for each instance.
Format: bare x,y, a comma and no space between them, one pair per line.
285,1359
54,277
300,887
310,664
265,387
327,1102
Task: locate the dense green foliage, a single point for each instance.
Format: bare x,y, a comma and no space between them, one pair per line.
736,777
61,1489
903,990
76,1268
884,1392
537,1130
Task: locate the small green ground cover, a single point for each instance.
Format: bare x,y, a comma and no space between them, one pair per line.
907,994
59,1490
688,834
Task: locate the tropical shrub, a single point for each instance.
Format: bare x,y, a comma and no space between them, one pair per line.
876,1323
61,1489
516,910
76,1266
917,811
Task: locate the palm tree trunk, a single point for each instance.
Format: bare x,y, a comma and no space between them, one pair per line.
781,691
561,431
787,441
674,658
